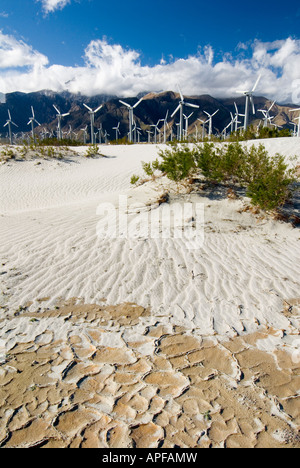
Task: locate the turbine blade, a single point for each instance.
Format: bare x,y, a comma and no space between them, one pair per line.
252,102
6,124
191,105
135,105
56,109
124,103
271,106
98,108
14,124
9,114
176,110
181,96
91,110
256,84
215,112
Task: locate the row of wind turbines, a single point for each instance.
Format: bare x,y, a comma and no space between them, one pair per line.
182,126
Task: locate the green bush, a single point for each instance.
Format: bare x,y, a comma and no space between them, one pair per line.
178,162
267,180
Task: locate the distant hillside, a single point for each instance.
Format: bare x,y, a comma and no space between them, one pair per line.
152,108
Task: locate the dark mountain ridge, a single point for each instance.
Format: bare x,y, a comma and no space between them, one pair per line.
153,108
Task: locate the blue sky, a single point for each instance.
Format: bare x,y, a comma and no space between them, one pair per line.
59,43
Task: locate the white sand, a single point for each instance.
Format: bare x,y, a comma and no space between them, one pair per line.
237,281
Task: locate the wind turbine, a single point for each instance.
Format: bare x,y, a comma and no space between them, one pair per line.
135,131
249,99
92,116
165,126
131,109
32,119
236,117
297,118
117,131
59,117
84,130
186,118
100,132
203,127
149,135
295,129
266,113
210,116
9,122
224,131
156,129
181,104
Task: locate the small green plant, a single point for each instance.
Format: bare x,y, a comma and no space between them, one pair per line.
148,169
134,179
92,151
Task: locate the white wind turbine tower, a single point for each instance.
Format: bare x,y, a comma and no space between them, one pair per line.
135,131
9,122
295,129
32,119
210,116
59,117
84,130
236,117
203,127
297,118
249,99
181,104
131,109
92,116
186,118
117,129
149,135
165,126
266,113
156,130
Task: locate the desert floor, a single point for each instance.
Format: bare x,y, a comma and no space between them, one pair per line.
143,341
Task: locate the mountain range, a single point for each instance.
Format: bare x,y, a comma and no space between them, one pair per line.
152,108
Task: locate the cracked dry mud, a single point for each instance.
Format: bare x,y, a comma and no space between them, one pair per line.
102,377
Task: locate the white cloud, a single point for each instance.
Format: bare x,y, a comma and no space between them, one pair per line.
17,54
111,69
49,6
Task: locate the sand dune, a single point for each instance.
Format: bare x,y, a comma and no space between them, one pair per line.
243,279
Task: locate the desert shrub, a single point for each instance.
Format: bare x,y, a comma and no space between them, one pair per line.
92,150
232,164
208,159
178,162
267,180
148,169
